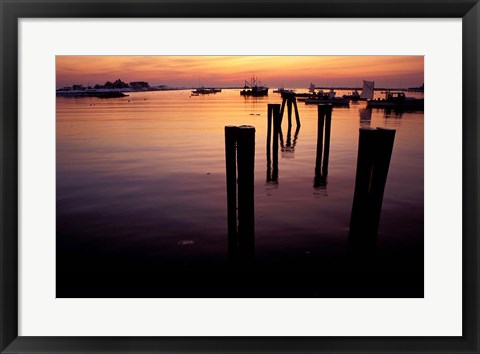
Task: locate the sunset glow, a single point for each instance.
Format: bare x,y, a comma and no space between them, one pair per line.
231,71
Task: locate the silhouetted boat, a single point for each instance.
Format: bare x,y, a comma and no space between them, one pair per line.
322,97
254,88
206,90
396,100
99,93
282,90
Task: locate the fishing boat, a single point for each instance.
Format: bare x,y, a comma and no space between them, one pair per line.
206,90
396,100
322,97
254,88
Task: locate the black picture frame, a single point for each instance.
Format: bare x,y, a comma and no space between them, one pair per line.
11,11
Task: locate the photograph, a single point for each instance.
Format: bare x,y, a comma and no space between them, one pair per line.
239,176
224,177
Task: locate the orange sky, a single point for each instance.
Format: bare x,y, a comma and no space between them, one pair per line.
274,71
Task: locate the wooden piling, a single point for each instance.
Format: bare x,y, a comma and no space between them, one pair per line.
375,148
231,179
289,106
297,116
269,139
282,109
383,154
360,218
276,134
246,214
280,133
323,144
326,149
320,125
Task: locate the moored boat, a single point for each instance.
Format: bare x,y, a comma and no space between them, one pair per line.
206,90
322,97
254,88
282,90
397,100
99,93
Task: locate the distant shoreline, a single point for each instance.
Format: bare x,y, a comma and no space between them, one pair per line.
123,92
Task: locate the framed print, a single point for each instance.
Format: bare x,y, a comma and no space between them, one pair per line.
257,176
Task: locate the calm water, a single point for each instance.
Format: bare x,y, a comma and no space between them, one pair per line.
142,179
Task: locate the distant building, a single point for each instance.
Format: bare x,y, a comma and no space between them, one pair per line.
120,84
78,87
417,89
137,85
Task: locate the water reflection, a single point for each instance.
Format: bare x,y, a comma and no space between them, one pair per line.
254,104
141,188
392,113
365,116
274,118
288,149
291,101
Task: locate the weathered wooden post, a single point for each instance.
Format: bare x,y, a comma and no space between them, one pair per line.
277,121
359,219
240,157
280,133
246,209
284,100
383,155
326,149
297,116
231,176
375,148
289,106
272,144
323,144
269,140
320,124
290,100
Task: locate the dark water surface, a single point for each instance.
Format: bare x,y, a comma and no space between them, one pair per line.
141,201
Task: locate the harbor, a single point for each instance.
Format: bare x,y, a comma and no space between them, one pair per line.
240,177
175,168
